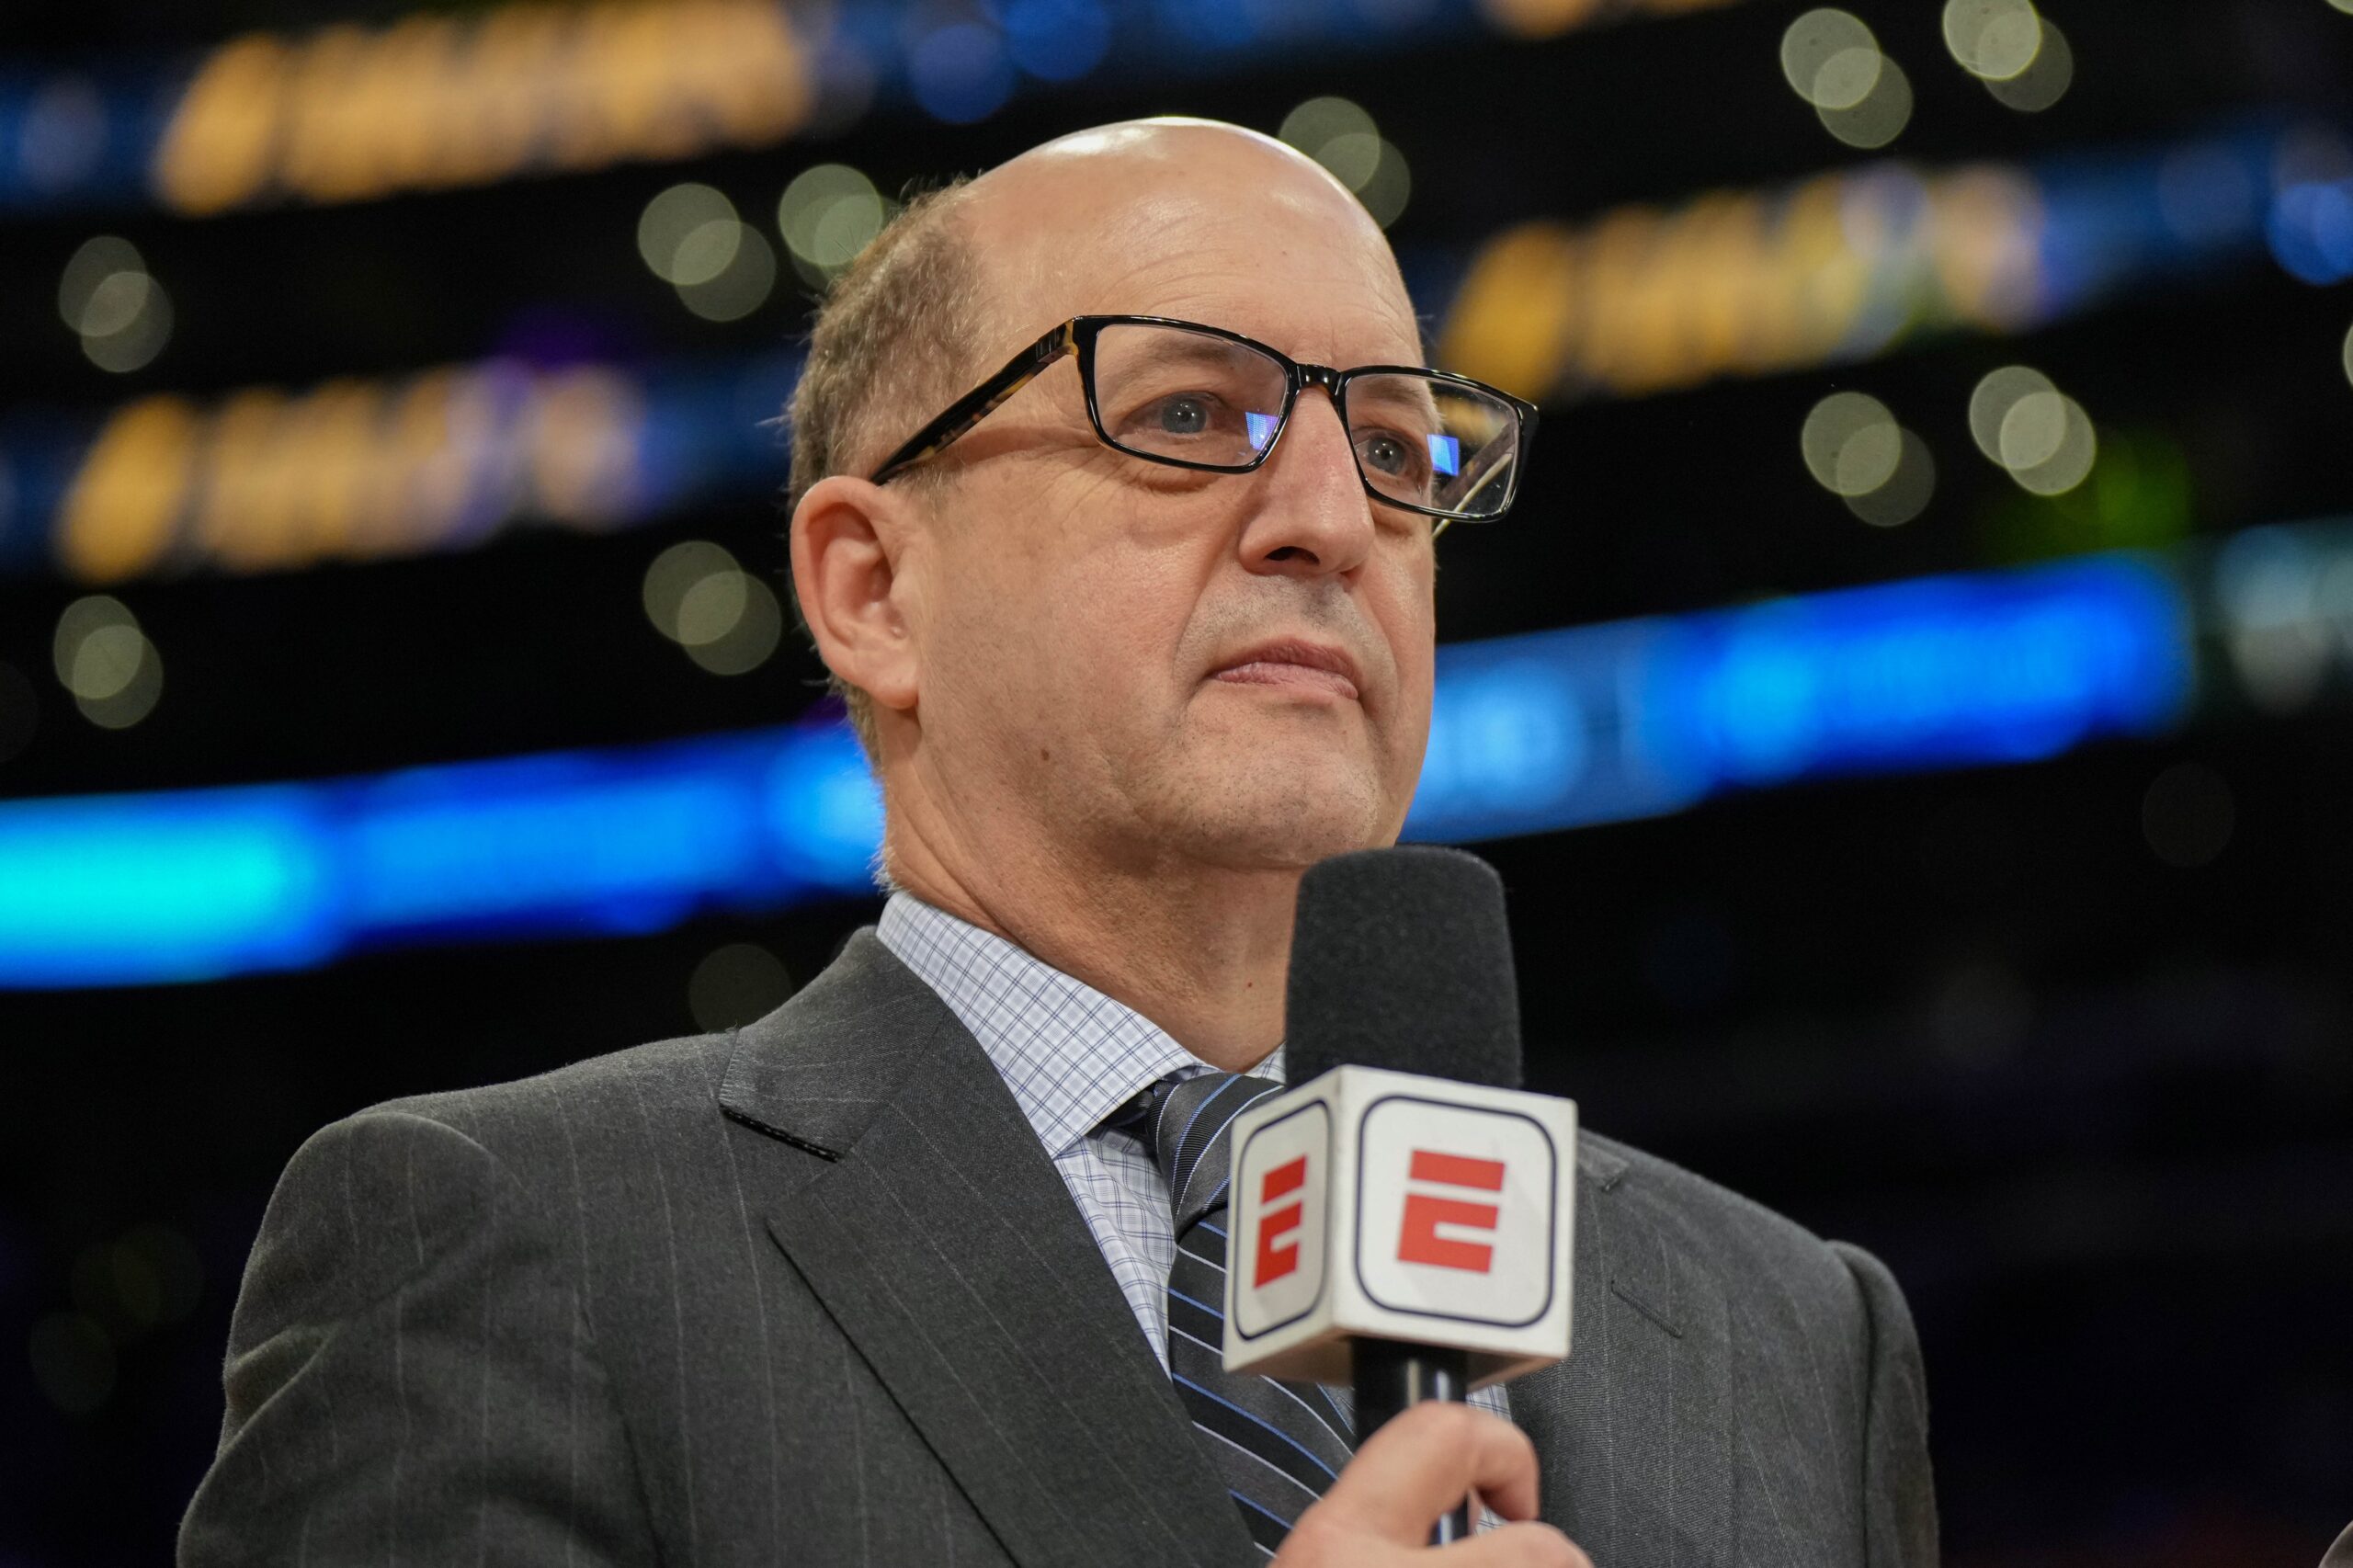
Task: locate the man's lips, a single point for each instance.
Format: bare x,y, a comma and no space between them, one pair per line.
1307,666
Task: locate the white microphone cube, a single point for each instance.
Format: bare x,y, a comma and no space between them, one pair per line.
1370,1204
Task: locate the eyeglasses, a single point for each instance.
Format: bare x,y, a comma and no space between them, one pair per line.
1200,397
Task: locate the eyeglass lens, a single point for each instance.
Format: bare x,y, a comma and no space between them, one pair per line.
1170,393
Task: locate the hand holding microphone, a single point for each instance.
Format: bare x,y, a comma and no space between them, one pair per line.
1378,1515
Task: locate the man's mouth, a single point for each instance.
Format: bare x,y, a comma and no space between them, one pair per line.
1301,667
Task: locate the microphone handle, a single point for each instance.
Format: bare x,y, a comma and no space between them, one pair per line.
1390,1377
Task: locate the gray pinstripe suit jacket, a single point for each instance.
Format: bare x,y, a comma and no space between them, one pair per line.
811,1292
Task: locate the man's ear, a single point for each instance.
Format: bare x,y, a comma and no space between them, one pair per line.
848,538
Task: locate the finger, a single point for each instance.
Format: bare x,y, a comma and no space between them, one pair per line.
1515,1546
1426,1460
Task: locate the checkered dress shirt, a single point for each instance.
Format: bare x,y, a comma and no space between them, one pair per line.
1071,1056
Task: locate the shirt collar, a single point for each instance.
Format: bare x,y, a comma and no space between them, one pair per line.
1070,1054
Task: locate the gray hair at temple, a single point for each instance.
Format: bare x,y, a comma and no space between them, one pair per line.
892,337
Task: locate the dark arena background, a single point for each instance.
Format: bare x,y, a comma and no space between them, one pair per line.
1912,706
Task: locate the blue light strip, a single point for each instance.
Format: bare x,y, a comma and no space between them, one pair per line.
1530,733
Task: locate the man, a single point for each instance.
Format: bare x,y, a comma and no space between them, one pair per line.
886,1277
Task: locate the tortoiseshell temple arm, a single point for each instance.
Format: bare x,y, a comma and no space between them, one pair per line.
980,401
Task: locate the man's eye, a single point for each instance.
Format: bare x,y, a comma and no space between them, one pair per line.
1184,414
1389,455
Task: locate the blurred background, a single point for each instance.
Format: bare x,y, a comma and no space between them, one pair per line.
1910,705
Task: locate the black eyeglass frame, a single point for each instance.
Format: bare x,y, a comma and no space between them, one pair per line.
1077,338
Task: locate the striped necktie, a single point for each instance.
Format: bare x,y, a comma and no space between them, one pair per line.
1276,1445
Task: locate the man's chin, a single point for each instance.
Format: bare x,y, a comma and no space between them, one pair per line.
1273,822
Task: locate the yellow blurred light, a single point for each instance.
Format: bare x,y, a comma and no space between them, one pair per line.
1879,117
2349,336
827,215
218,149
123,509
686,234
1831,59
739,287
1994,39
2344,6
2043,83
673,573
351,112
1514,312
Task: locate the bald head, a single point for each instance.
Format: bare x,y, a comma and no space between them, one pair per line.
1092,221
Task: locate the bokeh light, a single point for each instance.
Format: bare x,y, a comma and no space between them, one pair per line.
115,305
2187,815
1339,134
1852,443
1831,59
742,284
736,985
1855,449
2037,434
1991,401
827,215
106,662
2349,332
1994,39
1905,493
1882,115
688,234
2044,81
728,620
2048,443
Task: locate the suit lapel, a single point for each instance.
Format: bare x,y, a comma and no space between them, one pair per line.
939,1237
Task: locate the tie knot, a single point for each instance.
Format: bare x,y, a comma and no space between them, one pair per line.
1186,1123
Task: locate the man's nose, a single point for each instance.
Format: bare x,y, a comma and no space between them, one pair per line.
1314,518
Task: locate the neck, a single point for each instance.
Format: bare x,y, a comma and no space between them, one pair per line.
1204,953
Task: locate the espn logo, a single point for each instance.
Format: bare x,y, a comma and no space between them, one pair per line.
1418,1239
1277,1251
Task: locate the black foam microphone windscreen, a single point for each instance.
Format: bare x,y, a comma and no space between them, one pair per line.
1401,958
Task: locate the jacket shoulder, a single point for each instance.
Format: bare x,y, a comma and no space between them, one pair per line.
1746,1240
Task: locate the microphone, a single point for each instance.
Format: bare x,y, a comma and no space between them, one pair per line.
1402,1215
